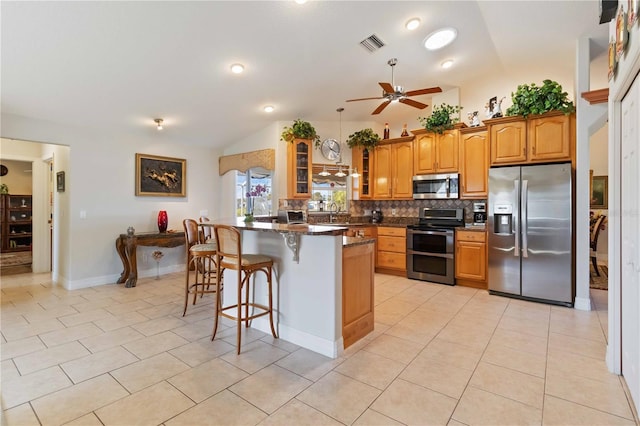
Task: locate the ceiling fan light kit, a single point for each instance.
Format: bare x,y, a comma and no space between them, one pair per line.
395,93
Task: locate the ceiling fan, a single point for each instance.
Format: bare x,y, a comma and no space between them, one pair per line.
393,93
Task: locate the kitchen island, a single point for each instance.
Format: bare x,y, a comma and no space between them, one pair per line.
308,283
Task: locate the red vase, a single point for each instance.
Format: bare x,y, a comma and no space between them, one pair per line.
163,221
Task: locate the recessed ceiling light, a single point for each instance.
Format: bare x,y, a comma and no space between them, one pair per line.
412,24
268,108
237,68
301,1
447,64
439,39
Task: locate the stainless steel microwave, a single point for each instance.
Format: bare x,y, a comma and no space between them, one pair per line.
440,186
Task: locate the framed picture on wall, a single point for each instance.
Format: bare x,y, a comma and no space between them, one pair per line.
60,181
599,192
160,176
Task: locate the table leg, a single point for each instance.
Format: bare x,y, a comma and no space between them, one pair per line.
120,248
133,262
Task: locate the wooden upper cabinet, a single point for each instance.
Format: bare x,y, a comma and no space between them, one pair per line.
474,163
363,160
299,169
544,138
434,152
392,170
549,138
508,136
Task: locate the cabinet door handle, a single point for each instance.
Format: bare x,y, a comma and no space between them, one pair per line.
524,151
533,150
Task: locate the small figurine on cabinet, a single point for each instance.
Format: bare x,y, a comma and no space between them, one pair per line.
493,107
474,121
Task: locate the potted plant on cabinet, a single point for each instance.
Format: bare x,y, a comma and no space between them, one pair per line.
366,138
300,130
440,118
530,99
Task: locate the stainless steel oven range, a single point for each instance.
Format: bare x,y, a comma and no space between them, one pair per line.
431,245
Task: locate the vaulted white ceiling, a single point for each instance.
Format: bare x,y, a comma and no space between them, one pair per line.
118,65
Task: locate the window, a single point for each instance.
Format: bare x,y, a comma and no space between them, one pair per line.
253,192
329,189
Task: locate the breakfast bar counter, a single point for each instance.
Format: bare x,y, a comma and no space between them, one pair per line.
308,285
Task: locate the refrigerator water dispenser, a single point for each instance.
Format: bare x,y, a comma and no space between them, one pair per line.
503,214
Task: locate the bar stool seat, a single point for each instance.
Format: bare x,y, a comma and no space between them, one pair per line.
230,256
201,264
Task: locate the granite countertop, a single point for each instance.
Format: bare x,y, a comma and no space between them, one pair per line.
306,229
356,241
472,227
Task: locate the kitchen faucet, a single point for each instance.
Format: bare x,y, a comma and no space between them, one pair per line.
331,207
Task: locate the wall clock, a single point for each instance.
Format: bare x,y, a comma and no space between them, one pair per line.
3,170
330,149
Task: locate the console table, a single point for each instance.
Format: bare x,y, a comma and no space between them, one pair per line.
126,247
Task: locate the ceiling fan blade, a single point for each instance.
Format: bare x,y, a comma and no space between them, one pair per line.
388,88
413,103
424,91
380,108
363,99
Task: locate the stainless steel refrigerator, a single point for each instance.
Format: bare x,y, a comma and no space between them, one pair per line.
530,233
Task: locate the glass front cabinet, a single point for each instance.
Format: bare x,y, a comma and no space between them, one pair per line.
299,169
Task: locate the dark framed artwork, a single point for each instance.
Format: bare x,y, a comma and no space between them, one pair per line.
160,176
60,181
599,192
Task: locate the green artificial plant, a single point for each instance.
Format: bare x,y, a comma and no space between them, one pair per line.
4,189
440,118
300,130
531,99
365,138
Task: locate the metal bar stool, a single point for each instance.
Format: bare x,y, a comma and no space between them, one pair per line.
201,261
230,256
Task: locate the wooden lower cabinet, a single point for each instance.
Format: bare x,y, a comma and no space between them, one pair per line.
471,258
392,250
357,292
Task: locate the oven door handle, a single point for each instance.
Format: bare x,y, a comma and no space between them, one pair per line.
417,232
426,253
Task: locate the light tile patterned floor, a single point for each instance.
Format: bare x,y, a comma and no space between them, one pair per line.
439,355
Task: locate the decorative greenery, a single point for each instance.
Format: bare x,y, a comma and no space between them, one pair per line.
531,99
300,130
366,138
4,189
440,119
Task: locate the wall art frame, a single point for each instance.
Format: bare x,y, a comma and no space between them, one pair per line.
60,182
599,192
158,176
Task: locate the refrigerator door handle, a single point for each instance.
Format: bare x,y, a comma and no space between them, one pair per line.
524,207
516,187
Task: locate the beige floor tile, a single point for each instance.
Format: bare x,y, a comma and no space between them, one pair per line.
270,388
409,403
308,364
520,341
193,331
49,314
224,408
447,379
87,420
373,418
87,396
298,413
254,356
69,334
120,321
158,325
17,348
84,317
339,397
465,336
162,310
151,406
118,309
577,345
394,348
604,396
370,368
420,336
511,384
569,363
452,353
49,357
153,345
288,346
110,339
207,379
524,362
22,331
560,412
152,370
392,311
22,415
20,389
98,363
453,422
525,325
478,407
196,353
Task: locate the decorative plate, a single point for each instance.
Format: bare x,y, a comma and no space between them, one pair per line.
613,63
622,33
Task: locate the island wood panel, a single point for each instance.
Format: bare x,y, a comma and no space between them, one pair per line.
358,264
